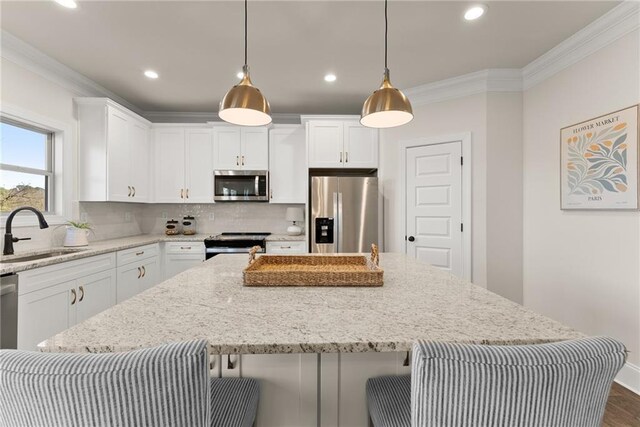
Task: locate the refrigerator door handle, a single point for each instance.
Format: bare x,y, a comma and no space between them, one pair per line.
340,235
336,223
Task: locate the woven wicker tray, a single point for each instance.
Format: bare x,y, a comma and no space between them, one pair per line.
313,270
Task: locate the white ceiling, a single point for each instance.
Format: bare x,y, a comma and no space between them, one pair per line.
197,49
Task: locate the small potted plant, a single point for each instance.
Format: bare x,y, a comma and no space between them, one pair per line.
77,233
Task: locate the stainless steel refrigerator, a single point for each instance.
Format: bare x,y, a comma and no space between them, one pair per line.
344,214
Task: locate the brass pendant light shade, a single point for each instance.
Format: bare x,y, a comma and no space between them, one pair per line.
244,104
387,107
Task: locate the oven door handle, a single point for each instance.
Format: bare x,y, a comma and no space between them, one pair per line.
230,250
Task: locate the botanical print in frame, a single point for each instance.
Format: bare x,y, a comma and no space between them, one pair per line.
599,162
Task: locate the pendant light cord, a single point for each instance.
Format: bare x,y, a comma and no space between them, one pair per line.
386,30
245,32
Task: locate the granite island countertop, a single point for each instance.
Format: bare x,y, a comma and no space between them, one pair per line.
106,246
209,301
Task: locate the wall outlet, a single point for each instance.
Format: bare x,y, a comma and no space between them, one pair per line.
84,217
211,216
164,215
127,217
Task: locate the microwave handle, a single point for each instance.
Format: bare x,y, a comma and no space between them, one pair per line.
257,185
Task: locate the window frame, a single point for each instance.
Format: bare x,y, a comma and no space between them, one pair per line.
62,148
48,173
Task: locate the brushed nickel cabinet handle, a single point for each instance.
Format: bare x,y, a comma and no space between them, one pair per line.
182,193
285,247
187,193
185,247
144,271
139,253
237,160
129,187
242,160
75,296
81,293
271,193
134,192
341,157
230,364
139,272
346,157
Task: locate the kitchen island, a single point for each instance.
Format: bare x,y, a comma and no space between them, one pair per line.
312,347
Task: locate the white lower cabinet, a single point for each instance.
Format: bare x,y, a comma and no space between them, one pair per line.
138,270
287,247
181,256
343,379
288,386
54,298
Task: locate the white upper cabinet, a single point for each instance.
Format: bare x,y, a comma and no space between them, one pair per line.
237,148
183,165
114,154
287,164
342,144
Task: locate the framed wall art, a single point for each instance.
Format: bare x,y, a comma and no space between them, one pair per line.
599,162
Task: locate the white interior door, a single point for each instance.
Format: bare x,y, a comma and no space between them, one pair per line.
434,205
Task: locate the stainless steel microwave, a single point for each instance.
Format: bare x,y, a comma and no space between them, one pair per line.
240,186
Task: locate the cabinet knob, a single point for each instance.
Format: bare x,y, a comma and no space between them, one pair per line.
411,239
81,293
74,295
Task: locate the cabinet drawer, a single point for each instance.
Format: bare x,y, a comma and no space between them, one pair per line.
184,248
128,256
293,247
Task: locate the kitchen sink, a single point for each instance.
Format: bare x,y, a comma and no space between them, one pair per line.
36,256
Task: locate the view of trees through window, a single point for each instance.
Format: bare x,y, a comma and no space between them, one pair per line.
25,167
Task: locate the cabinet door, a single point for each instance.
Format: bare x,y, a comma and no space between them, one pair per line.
44,313
344,377
326,144
169,165
287,165
128,282
150,273
360,146
96,293
226,147
288,387
176,264
118,155
287,247
199,166
254,153
139,161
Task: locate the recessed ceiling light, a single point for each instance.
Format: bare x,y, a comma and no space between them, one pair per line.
69,4
330,78
475,12
151,74
240,74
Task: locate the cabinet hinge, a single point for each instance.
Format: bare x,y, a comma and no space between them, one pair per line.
461,227
461,160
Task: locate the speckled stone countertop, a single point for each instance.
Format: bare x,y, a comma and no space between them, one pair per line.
94,248
106,246
209,301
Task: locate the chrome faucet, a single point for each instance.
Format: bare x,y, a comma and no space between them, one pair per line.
9,240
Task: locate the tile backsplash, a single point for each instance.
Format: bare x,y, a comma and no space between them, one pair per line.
114,220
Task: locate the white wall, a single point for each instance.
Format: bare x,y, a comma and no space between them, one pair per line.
581,268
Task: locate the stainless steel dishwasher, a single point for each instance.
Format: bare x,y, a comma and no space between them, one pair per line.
9,311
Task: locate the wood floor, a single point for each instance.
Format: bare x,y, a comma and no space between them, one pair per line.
623,408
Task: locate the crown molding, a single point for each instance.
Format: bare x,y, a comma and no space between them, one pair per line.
206,117
490,80
27,56
618,22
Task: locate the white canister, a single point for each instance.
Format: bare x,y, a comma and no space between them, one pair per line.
76,237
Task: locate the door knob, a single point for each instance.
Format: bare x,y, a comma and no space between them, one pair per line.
411,239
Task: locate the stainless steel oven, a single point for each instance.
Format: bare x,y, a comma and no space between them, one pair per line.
240,186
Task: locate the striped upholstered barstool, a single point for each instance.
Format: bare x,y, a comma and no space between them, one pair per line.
558,384
168,385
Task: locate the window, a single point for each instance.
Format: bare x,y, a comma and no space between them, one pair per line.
26,167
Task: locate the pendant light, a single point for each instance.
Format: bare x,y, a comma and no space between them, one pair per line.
387,107
244,104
